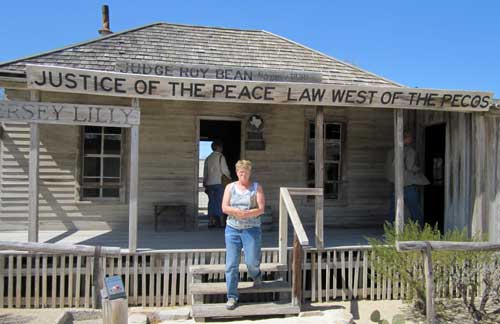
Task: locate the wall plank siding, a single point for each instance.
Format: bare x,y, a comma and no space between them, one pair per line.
169,160
472,169
168,164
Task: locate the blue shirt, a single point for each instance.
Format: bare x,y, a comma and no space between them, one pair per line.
243,200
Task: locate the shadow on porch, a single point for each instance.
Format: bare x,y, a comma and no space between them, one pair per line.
203,239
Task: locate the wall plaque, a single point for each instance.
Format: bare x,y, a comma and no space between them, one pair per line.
255,139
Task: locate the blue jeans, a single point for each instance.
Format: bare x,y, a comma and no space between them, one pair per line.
215,193
412,201
251,241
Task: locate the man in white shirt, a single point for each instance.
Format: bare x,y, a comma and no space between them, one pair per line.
215,167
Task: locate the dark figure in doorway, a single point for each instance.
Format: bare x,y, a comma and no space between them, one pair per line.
213,171
413,178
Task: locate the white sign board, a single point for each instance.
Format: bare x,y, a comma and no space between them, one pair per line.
216,72
61,79
68,114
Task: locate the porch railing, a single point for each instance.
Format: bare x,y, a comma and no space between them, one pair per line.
159,278
98,253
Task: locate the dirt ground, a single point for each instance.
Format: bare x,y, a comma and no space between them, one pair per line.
361,310
29,316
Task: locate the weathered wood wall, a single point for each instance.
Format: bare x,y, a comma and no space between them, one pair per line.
168,163
472,170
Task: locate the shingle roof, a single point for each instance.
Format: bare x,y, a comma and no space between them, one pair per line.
185,44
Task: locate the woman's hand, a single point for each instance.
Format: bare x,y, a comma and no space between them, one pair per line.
238,213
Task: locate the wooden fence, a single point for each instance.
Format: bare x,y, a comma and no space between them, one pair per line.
426,248
159,278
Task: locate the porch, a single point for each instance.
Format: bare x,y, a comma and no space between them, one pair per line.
206,239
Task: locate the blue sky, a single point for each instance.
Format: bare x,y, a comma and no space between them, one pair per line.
427,44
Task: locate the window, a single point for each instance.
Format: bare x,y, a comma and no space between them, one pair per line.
333,157
102,162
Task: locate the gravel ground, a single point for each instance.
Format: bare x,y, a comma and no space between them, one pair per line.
361,311
30,316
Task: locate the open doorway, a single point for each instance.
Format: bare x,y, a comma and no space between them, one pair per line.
435,147
229,133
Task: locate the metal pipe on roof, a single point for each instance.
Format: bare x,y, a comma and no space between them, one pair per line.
105,21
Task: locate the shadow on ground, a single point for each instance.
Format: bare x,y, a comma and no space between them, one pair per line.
15,319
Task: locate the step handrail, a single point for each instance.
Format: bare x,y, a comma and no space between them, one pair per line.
300,240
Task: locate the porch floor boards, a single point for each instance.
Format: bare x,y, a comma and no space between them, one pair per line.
201,239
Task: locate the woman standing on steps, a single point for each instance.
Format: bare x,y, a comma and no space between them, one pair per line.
244,202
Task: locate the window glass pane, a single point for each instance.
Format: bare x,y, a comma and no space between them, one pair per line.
111,192
91,181
310,150
332,152
111,167
112,144
112,130
311,130
332,131
91,193
310,171
93,129
92,144
92,167
331,190
332,171
111,182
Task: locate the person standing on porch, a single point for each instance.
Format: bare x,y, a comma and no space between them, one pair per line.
413,177
244,202
213,171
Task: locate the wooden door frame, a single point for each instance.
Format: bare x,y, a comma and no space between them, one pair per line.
197,152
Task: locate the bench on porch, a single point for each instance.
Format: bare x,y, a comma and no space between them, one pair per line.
174,214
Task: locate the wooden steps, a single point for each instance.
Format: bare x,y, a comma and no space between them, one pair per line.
221,268
248,309
199,289
205,288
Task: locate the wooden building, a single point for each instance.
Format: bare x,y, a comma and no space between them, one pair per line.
86,174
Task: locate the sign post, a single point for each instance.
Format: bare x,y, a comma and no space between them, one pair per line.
114,301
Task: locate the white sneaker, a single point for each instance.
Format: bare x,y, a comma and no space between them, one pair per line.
231,304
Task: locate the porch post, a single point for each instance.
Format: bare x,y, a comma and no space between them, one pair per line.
134,183
33,176
398,170
319,165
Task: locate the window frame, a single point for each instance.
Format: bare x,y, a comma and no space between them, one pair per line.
310,142
121,178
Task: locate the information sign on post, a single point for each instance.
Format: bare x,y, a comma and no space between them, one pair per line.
114,287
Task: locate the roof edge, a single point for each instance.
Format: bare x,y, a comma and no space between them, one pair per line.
334,59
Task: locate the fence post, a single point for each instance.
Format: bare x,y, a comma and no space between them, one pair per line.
429,284
296,272
97,278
